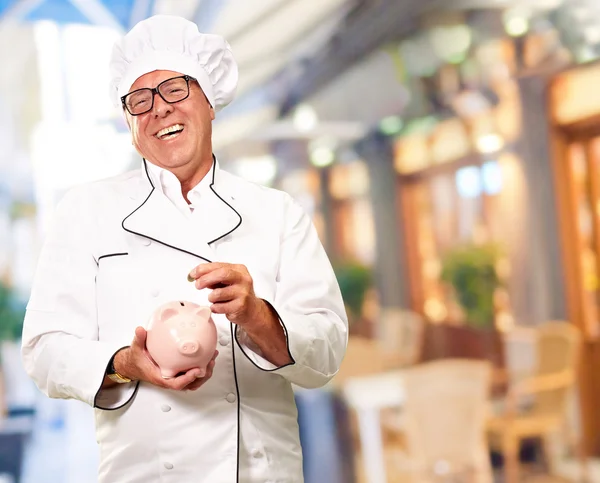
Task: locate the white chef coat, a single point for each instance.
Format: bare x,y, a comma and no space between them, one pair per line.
118,249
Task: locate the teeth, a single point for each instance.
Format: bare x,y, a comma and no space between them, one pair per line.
169,130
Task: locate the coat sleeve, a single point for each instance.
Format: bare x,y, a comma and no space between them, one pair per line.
60,347
309,305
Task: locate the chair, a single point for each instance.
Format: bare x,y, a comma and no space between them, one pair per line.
520,353
445,413
363,357
536,405
400,335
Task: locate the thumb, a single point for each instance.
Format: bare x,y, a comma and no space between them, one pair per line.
140,337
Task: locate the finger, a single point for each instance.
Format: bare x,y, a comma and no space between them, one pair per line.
227,308
220,276
197,384
225,294
209,368
202,380
180,382
203,269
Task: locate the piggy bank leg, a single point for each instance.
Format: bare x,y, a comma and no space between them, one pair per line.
167,373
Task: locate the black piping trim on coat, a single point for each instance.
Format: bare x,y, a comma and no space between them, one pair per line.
239,409
237,389
287,343
218,196
112,255
148,237
137,385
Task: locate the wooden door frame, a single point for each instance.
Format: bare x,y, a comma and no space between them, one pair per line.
589,376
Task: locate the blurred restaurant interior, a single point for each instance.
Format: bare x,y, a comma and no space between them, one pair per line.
449,155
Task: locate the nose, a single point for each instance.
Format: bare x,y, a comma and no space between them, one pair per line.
189,347
161,108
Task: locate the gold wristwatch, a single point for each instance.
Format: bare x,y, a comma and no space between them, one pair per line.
112,373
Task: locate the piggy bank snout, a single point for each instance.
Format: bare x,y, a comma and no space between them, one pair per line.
189,347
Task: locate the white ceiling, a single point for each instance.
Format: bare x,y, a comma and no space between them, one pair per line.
265,36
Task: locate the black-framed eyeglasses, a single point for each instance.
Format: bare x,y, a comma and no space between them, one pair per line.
172,90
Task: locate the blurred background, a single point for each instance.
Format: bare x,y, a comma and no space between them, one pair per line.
449,154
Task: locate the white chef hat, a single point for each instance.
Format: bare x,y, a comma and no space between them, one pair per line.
165,42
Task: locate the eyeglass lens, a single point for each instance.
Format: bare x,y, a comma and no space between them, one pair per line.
171,90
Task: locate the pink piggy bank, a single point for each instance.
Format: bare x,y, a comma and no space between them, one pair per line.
181,336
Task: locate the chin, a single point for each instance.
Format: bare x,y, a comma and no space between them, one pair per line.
175,160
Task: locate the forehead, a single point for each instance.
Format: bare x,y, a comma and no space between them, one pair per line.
152,79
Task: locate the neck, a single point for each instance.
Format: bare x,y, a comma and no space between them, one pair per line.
189,179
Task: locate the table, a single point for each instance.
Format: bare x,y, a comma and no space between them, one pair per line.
367,396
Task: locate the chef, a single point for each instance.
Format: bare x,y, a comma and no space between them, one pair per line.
181,228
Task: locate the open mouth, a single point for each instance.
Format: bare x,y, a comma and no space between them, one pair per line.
170,132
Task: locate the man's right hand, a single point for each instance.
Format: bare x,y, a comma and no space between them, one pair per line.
135,363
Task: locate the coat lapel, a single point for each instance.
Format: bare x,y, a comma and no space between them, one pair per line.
158,219
224,218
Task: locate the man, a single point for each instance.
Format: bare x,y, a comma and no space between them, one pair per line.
180,228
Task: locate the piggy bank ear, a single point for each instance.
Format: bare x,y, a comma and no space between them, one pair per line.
166,314
203,312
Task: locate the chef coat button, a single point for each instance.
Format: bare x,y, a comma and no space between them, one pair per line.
168,466
257,453
230,397
155,292
146,241
165,408
224,340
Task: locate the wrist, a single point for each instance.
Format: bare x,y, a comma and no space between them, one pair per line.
121,363
263,320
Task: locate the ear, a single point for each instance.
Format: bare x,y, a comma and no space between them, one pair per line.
212,112
203,312
127,117
167,313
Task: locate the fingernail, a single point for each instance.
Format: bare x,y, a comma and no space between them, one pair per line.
190,277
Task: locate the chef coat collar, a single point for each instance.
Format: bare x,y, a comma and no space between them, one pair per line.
167,183
154,217
164,180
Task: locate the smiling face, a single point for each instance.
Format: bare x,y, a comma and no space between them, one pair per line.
176,137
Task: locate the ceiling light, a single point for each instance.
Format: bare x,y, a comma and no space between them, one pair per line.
305,118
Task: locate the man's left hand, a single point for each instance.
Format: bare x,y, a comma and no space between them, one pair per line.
232,291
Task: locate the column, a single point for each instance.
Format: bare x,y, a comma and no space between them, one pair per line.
391,274
544,295
330,244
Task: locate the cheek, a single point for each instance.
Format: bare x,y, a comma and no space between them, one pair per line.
137,135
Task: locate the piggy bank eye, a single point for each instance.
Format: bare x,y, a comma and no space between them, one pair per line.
192,324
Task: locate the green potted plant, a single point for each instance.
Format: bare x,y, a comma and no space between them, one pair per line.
354,279
470,270
470,273
12,313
